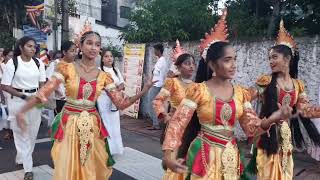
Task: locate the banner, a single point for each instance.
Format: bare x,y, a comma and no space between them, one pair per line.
35,33
132,74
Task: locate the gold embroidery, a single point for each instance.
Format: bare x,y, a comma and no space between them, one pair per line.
247,105
85,132
286,99
303,95
87,90
111,87
226,113
286,145
59,76
230,162
189,103
164,92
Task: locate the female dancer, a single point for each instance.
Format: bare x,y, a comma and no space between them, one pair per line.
80,150
109,113
218,103
274,152
174,91
174,88
69,52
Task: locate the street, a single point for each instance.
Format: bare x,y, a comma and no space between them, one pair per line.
141,160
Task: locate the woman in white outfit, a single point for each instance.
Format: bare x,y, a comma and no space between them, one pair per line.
7,55
22,78
108,111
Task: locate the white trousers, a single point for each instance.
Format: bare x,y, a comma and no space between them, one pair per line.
24,141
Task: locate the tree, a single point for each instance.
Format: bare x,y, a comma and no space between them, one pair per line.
162,20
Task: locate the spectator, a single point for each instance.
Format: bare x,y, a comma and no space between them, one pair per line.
22,78
7,55
159,73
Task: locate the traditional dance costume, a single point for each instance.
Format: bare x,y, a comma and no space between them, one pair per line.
80,150
172,91
279,165
213,154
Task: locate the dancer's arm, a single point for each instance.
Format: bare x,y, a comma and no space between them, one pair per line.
252,124
159,103
176,128
303,105
119,99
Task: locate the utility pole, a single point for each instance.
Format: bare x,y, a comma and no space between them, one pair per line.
55,26
65,20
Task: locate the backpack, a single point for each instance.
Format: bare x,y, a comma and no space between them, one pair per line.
15,63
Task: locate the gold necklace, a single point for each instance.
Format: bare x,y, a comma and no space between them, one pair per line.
186,81
86,68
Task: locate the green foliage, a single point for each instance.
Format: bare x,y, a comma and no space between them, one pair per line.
116,50
243,23
162,20
6,40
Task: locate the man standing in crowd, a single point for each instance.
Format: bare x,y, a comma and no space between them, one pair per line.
159,73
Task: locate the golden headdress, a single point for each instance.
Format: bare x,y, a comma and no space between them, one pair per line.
86,27
177,51
218,33
285,38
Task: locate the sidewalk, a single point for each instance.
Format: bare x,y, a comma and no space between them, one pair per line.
139,126
305,168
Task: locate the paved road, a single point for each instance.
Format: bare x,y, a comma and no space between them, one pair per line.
141,159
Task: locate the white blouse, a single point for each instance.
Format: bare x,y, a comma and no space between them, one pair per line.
118,79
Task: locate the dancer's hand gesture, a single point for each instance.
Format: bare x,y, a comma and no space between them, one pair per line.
176,166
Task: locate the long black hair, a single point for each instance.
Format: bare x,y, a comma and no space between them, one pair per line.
66,45
20,43
103,52
271,143
204,73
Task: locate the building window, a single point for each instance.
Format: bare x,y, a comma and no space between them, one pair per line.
124,12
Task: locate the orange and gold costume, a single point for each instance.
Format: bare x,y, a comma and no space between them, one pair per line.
214,153
80,150
174,91
280,166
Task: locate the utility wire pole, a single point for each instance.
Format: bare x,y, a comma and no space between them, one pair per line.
65,20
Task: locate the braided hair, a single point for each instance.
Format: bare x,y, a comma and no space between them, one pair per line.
271,143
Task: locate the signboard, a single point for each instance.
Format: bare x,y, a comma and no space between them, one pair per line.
132,74
35,33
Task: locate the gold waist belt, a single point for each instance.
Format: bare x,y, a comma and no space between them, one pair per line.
81,103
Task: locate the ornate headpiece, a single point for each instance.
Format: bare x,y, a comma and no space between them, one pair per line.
285,38
86,27
218,33
177,51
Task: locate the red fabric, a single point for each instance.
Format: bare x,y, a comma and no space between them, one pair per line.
292,94
218,140
64,118
219,105
198,165
93,85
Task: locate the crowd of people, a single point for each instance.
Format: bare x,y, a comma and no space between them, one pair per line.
196,115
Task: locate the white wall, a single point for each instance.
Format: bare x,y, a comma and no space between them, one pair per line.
91,8
252,61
